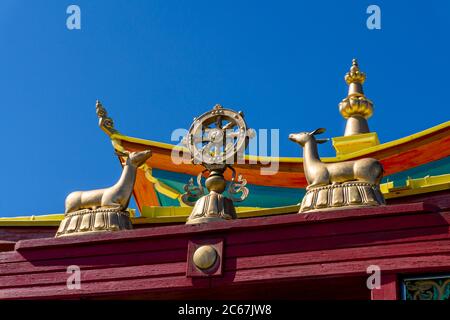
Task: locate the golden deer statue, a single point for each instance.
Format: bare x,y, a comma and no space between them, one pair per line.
103,209
117,196
360,177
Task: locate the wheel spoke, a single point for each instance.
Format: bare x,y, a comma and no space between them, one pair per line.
216,150
229,146
206,147
229,125
233,134
219,122
198,139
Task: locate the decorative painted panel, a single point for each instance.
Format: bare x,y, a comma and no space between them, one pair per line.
427,288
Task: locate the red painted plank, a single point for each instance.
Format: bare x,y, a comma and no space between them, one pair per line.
335,242
422,264
26,232
328,288
325,256
338,228
10,256
297,231
98,249
124,286
250,249
440,199
389,288
402,238
170,231
7,245
242,250
269,275
248,238
94,262
95,275
339,255
341,214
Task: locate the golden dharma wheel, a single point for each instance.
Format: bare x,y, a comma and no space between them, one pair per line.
217,136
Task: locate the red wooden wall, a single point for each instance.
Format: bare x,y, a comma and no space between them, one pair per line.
308,256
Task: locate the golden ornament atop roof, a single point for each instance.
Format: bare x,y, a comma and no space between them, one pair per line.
355,75
104,122
356,108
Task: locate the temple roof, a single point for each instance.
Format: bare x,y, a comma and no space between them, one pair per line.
416,156
413,165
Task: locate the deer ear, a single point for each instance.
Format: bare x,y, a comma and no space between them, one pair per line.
317,131
122,153
322,140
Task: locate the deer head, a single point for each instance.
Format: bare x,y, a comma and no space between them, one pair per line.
303,137
135,158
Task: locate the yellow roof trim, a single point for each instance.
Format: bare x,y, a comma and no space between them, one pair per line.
416,186
149,215
38,221
118,136
180,214
169,211
350,144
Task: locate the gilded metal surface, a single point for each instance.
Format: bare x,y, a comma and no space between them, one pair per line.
205,257
356,108
117,196
214,206
193,192
355,75
216,140
342,195
103,209
437,288
104,122
88,221
337,184
237,189
218,136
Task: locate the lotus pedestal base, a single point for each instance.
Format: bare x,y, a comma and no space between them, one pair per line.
88,221
348,194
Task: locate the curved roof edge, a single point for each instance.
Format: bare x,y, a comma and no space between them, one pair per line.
393,143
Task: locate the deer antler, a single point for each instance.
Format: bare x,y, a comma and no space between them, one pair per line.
317,131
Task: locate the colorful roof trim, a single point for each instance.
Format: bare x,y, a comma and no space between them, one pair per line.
161,182
176,214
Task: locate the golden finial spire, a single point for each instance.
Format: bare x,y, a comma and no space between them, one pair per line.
105,123
354,75
356,108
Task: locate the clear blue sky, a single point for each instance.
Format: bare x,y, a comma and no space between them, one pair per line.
157,64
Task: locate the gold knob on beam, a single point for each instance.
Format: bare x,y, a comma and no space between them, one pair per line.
205,257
